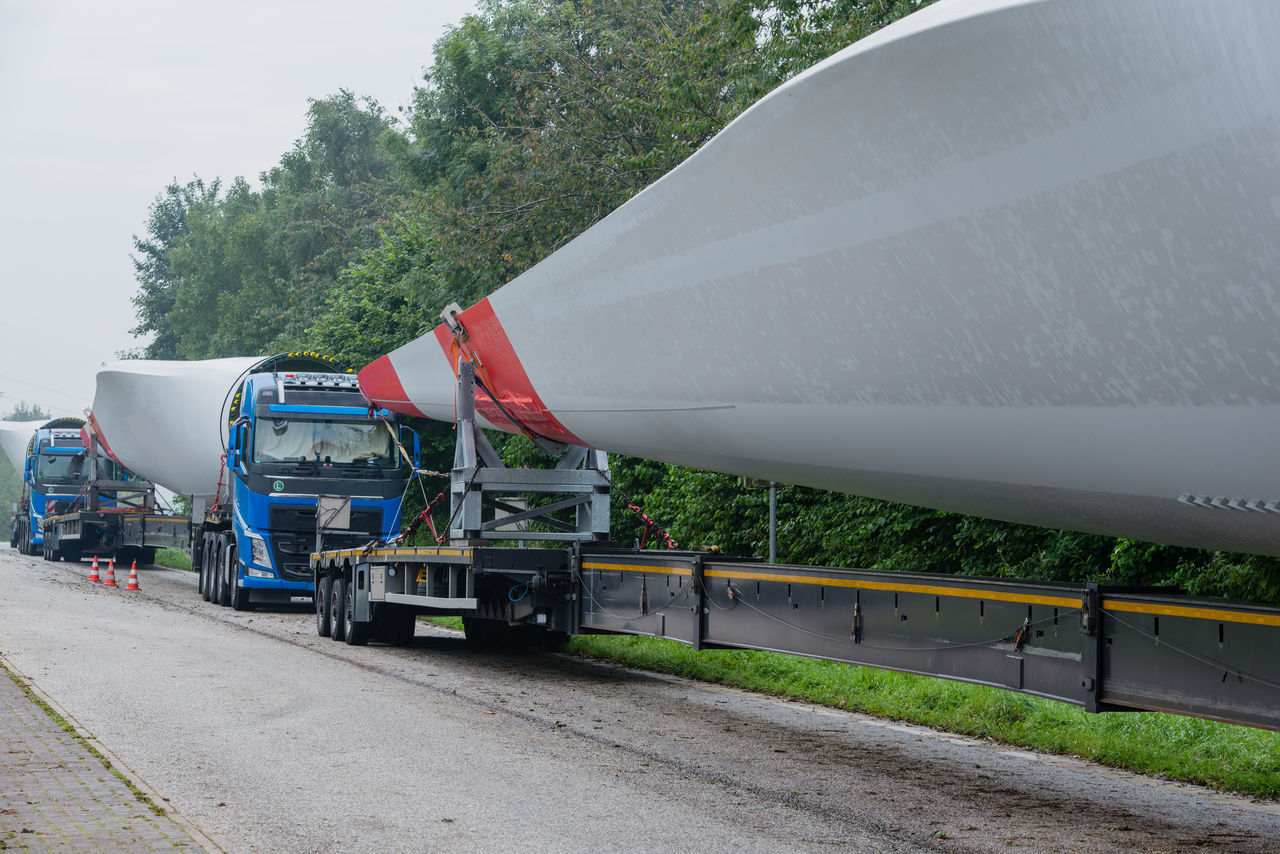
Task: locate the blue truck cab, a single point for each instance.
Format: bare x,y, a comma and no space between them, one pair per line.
54,474
294,436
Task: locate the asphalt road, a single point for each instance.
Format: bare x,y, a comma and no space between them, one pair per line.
268,738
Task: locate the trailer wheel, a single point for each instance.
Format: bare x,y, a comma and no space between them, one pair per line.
401,625
357,633
225,548
485,634
239,595
338,610
396,624
216,552
324,595
214,581
206,579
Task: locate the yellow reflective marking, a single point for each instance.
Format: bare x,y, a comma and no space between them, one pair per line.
1192,612
963,593
637,567
422,574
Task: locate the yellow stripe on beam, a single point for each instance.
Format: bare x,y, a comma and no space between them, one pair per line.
963,593
637,567
1215,614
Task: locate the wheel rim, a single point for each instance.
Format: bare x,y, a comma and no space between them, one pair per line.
322,606
335,610
228,573
349,606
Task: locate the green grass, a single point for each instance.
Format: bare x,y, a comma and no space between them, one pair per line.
1223,756
175,558
447,622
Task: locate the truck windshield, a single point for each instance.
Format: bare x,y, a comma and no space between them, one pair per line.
62,468
342,442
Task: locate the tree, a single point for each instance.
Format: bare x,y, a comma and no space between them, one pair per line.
24,411
166,227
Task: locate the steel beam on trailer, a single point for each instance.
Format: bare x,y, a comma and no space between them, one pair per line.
1105,649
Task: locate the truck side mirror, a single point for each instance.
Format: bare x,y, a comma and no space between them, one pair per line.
239,441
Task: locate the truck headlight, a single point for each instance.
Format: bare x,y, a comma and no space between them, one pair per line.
259,553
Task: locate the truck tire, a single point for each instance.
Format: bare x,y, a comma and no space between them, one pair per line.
226,552
72,555
206,568
357,633
215,552
338,611
401,622
239,595
147,556
324,596
486,634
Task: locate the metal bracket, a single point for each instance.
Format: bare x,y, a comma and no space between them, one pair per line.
1091,651
481,487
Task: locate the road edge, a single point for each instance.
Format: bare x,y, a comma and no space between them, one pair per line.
197,835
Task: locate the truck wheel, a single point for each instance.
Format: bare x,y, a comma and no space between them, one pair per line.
226,549
206,568
215,552
338,611
485,634
357,633
324,595
398,624
239,595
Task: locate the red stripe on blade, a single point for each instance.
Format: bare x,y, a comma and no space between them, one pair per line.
502,372
381,385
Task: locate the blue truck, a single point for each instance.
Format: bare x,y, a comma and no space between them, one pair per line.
292,437
54,473
114,513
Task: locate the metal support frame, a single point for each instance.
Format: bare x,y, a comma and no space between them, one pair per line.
480,482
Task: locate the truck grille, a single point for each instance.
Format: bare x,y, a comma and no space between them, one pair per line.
293,537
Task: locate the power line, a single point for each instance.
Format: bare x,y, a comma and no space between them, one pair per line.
45,388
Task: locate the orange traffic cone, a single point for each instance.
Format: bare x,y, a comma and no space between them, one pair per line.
133,578
93,570
110,580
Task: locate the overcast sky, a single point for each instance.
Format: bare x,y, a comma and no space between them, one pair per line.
102,104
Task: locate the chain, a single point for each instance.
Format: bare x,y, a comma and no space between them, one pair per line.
650,524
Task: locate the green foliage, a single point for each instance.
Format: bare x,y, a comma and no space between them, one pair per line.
246,271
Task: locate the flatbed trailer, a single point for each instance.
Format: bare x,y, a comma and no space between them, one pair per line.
1102,648
114,516
124,534
1098,647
